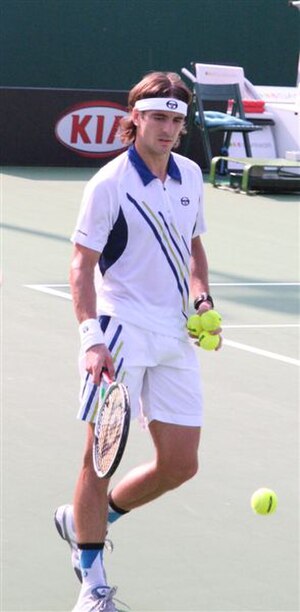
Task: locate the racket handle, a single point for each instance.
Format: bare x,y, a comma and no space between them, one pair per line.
104,374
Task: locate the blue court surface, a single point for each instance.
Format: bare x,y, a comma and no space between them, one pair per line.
199,548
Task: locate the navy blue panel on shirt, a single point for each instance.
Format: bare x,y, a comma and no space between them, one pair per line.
145,173
116,244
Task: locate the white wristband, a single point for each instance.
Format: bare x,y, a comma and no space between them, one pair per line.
90,333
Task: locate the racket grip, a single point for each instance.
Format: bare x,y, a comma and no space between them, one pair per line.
107,378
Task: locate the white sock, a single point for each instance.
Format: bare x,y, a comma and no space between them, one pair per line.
91,563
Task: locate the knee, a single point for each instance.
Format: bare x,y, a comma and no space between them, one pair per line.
88,477
87,461
86,471
174,475
87,458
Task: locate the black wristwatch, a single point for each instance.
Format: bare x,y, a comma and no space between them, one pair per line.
204,297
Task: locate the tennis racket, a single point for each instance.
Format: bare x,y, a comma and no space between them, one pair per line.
111,429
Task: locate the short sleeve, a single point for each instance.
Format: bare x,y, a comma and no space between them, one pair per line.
98,212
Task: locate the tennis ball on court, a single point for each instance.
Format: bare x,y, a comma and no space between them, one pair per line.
264,501
211,320
208,342
194,325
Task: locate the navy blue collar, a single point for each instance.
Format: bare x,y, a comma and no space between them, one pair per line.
145,173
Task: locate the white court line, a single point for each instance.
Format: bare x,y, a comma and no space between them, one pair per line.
257,351
254,284
262,325
48,289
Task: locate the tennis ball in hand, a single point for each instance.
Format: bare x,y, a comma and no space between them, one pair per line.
194,325
210,320
208,341
264,501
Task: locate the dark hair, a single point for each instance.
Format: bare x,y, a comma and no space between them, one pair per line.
153,85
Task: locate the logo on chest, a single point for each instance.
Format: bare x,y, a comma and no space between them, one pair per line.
185,201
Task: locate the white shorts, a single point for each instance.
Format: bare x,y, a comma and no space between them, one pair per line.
161,373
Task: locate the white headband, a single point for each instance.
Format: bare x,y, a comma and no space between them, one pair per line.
164,104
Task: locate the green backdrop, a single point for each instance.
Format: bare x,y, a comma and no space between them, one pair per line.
109,44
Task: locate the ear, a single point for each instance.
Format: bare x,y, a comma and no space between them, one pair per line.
135,115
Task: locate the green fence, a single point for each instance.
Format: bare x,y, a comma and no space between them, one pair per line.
109,44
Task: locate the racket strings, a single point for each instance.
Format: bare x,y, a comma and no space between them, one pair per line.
111,429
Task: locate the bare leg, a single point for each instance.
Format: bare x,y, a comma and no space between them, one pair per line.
175,462
90,499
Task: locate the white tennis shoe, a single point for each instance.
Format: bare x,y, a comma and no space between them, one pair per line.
64,523
97,600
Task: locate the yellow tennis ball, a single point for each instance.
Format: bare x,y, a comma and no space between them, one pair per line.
194,325
264,501
211,320
208,342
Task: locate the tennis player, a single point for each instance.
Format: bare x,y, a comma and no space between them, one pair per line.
137,255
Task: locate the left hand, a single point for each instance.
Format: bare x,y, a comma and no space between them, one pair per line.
204,307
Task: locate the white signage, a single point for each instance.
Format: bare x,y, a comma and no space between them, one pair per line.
91,128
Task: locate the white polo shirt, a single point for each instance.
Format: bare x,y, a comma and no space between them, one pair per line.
143,230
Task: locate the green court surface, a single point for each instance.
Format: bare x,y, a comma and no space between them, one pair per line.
200,548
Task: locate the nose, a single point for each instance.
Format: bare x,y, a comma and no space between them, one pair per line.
169,128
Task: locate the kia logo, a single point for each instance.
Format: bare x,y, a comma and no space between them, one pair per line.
172,104
91,128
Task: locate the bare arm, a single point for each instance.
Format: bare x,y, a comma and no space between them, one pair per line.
198,270
199,278
82,282
83,292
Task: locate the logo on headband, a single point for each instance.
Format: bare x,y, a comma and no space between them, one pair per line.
172,104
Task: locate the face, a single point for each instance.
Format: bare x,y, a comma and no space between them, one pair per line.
157,131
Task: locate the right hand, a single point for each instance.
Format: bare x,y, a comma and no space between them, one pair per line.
98,357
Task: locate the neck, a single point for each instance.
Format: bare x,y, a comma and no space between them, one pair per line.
158,164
